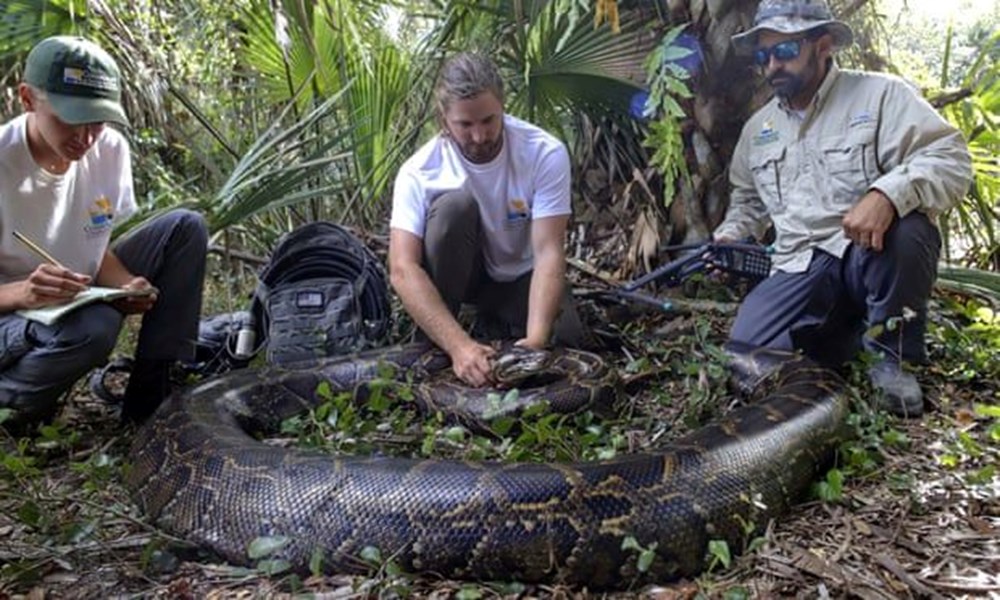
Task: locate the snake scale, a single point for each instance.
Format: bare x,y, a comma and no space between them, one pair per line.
199,474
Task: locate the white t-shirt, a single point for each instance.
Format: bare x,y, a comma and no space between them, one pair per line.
529,179
70,215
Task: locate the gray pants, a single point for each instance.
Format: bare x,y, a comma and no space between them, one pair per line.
454,260
826,310
38,363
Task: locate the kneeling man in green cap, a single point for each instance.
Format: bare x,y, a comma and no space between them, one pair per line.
65,182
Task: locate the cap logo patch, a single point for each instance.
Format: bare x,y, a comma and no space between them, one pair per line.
84,77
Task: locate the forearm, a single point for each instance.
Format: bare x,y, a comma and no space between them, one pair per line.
747,217
11,297
425,306
545,297
112,272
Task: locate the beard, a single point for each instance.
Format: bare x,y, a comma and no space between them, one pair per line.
786,85
484,152
789,86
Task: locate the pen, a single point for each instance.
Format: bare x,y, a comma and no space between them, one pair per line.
38,250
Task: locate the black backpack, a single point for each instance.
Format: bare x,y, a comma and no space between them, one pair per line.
322,293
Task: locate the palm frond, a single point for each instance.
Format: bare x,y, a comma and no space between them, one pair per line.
24,22
288,164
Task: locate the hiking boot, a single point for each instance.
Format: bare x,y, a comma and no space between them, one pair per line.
901,394
148,386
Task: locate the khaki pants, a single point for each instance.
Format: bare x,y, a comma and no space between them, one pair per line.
453,258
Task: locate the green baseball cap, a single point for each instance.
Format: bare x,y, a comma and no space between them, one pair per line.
81,80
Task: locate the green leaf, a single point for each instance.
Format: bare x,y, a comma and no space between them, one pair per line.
646,558
30,514
983,476
949,461
469,592
969,444
316,562
371,555
271,567
736,593
719,549
895,437
393,569
983,410
630,543
455,434
266,545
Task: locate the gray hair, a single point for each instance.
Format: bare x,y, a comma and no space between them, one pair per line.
465,76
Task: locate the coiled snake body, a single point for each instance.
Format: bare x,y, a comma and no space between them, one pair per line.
198,474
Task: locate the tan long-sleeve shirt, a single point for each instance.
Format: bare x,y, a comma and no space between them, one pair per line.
802,171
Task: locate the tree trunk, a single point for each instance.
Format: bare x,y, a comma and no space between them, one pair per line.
725,92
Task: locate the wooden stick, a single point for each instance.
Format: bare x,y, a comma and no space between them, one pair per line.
41,252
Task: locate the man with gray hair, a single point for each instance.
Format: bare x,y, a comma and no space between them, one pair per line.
851,169
479,215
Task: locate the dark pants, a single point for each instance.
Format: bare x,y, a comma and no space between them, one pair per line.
827,310
454,260
38,363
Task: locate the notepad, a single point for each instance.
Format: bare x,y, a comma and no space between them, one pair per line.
50,314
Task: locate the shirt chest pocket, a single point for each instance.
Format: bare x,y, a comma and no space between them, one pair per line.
767,166
849,163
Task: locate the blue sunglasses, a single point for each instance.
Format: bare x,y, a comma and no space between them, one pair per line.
782,52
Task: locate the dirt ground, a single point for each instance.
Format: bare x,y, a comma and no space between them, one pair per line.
918,515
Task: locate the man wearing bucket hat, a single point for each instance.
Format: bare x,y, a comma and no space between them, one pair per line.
65,180
851,169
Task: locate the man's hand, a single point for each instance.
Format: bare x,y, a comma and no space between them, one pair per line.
136,304
48,285
868,220
472,363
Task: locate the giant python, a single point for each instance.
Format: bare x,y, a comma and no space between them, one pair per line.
199,474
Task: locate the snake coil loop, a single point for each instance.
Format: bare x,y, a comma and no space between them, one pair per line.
199,474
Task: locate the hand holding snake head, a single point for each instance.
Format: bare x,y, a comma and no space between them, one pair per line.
514,364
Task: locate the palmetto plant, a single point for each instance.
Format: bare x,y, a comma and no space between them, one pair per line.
323,102
559,70
972,225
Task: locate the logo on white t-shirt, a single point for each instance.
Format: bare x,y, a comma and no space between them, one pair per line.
101,216
517,212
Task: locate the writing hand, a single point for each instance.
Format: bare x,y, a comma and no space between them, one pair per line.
49,285
868,220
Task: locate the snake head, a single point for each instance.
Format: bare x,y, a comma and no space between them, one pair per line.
516,363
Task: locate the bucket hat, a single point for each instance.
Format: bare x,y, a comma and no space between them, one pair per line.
82,82
793,16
